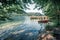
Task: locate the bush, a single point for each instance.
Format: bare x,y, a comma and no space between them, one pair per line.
50,26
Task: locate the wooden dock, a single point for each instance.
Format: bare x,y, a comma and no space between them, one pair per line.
44,19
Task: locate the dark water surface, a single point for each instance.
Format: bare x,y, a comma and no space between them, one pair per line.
28,30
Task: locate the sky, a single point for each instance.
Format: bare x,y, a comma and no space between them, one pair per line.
31,9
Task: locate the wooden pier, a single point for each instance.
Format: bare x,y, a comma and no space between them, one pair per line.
44,19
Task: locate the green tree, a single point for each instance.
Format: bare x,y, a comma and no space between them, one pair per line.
9,6
51,8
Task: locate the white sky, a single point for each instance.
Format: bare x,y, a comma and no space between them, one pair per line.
31,8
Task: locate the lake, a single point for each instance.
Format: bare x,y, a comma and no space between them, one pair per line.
28,30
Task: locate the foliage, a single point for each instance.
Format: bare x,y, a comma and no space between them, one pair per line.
51,8
7,7
50,26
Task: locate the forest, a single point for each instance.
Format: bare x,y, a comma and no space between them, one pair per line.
11,10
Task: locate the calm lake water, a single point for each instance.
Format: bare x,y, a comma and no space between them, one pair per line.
28,30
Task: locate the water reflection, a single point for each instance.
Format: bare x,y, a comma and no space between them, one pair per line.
34,24
29,30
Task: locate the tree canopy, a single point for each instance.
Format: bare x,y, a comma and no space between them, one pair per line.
9,6
51,8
